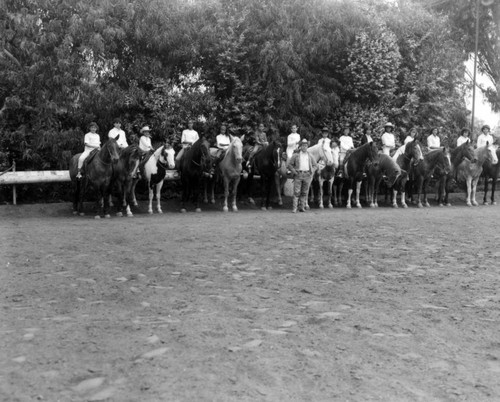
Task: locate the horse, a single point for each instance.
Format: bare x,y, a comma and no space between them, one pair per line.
281,177
153,171
98,173
490,171
354,167
229,170
328,164
470,171
266,163
457,155
423,171
407,156
123,177
386,169
195,164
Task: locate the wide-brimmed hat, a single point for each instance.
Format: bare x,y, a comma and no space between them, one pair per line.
388,124
485,126
325,129
145,128
303,141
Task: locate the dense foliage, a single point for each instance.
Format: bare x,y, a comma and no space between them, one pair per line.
160,62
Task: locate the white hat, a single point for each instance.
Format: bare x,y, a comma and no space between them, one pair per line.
388,124
145,128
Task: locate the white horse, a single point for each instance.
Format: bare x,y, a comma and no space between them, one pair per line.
470,171
328,163
153,172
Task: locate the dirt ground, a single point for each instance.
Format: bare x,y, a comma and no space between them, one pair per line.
348,305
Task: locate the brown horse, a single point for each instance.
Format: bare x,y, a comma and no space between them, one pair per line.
436,160
354,168
97,173
386,169
490,171
123,177
230,169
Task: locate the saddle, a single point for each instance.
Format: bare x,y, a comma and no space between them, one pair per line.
88,160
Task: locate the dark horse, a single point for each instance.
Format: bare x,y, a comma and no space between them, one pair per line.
195,164
98,173
490,171
457,155
435,161
123,178
389,170
354,167
266,163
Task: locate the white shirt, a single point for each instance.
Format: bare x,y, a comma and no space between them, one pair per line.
433,141
388,143
222,141
408,139
482,139
304,161
145,144
345,143
122,139
92,140
190,136
292,143
461,140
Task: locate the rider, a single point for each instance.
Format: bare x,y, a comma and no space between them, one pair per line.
433,140
222,142
388,139
92,141
292,142
367,135
346,144
464,136
260,139
189,137
145,141
485,137
325,137
117,131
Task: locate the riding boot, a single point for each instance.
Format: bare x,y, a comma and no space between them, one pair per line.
303,203
295,203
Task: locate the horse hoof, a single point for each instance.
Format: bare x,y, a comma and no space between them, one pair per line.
226,209
469,204
358,206
107,216
405,206
160,211
427,205
135,204
395,205
441,204
263,208
197,210
348,206
251,201
97,217
307,207
280,203
494,203
130,215
486,203
448,204
419,205
119,214
212,201
75,212
235,209
183,210
150,212
321,207
475,204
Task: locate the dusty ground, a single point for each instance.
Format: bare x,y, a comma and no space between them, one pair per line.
360,305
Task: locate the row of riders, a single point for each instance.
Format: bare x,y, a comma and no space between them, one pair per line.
407,169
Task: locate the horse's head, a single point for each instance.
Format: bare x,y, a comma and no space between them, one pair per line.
206,163
237,149
276,156
325,153
132,158
492,153
113,149
414,151
373,155
168,156
445,163
391,169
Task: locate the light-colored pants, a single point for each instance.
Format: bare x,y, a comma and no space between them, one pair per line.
301,183
84,156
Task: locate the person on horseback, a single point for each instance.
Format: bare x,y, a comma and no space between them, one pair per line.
188,137
411,136
302,165
388,139
292,142
325,137
92,141
433,140
464,136
116,131
367,135
485,137
145,141
346,144
260,139
222,142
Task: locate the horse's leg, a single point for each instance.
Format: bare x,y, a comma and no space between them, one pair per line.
133,200
493,186
150,197
277,182
371,191
226,193
469,191
329,193
263,190
358,190
236,182
106,197
184,194
473,193
250,187
349,193
158,196
197,194
424,189
485,200
420,184
321,182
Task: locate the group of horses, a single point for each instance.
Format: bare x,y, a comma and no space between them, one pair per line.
408,172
